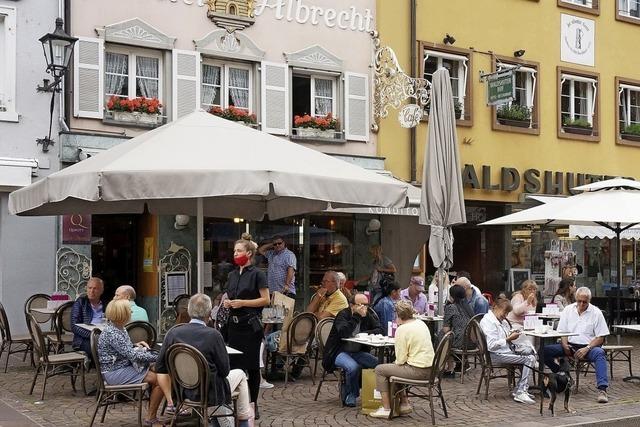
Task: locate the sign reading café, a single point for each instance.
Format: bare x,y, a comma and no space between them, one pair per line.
534,180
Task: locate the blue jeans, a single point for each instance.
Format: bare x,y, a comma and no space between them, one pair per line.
596,356
352,364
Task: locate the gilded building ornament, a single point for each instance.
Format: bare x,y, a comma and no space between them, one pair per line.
231,15
392,86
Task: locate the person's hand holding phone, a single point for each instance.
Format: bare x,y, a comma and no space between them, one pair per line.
514,335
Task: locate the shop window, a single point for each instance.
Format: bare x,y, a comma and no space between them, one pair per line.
132,74
315,97
522,114
587,6
226,85
578,105
8,64
628,111
628,11
458,63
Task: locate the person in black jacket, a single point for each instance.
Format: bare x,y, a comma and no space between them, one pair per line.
346,355
211,344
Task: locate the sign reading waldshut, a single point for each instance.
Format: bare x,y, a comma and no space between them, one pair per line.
501,87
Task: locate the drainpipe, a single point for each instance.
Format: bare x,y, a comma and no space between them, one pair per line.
64,8
413,130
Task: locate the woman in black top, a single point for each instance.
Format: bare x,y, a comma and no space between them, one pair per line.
247,292
457,314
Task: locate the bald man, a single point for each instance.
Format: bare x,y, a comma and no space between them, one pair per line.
127,292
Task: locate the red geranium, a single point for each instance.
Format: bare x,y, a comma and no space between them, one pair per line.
234,114
136,105
322,123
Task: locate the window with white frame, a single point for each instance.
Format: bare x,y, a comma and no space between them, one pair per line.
8,64
629,8
525,84
226,85
629,105
313,95
578,99
458,70
587,3
132,73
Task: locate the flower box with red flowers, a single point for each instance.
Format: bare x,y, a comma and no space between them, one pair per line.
141,110
235,115
316,127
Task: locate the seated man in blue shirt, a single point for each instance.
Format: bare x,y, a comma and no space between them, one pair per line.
385,307
88,308
476,301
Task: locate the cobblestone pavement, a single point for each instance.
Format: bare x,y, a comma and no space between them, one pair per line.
294,406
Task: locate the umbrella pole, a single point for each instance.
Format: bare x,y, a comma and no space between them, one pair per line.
441,284
619,266
200,243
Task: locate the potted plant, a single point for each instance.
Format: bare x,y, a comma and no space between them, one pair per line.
139,110
631,132
316,127
577,126
235,115
514,115
457,109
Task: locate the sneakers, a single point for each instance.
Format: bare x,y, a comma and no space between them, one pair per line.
350,401
531,396
380,413
523,397
406,409
602,396
265,384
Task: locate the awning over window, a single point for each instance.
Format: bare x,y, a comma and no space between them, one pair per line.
15,172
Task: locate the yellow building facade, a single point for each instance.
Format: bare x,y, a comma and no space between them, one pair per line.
579,77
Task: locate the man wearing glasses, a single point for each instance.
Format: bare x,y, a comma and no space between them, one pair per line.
328,300
281,271
347,355
588,322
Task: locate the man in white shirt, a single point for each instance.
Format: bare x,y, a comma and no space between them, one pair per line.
588,322
500,344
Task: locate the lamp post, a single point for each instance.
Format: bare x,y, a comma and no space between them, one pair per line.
58,48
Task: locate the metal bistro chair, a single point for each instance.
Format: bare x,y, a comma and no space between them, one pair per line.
491,370
469,347
114,394
39,301
189,371
71,364
300,334
322,334
142,331
432,383
8,340
62,327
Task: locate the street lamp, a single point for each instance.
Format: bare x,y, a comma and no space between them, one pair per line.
58,48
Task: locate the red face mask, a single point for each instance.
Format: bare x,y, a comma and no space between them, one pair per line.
240,260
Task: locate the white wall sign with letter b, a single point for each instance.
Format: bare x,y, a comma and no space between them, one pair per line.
577,40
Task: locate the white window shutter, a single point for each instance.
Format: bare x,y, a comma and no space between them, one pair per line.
356,109
186,82
88,78
275,98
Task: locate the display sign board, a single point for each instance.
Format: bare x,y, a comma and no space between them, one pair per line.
76,229
577,40
501,87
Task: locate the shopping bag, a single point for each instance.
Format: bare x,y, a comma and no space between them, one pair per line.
369,396
289,306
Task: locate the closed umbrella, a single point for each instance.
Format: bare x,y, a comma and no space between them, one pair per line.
613,204
205,165
442,199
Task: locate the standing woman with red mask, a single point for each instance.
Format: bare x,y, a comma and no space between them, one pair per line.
247,292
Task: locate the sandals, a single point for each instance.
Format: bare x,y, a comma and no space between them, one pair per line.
170,409
152,422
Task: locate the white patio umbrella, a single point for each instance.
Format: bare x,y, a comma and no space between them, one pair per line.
442,199
613,204
205,165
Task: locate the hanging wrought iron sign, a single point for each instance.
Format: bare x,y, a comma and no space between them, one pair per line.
393,87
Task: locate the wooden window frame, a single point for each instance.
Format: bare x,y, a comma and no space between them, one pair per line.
596,133
467,120
618,81
535,113
593,10
624,18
